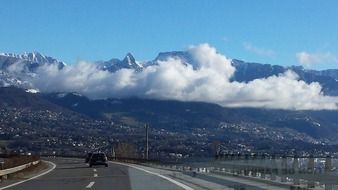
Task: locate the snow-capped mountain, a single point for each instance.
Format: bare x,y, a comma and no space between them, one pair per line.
18,69
33,57
184,56
114,64
28,62
246,71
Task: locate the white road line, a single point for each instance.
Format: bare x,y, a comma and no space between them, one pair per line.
44,173
94,170
159,175
90,185
95,175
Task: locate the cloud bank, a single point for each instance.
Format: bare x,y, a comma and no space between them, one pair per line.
208,81
307,59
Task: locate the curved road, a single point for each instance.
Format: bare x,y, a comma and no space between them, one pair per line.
72,174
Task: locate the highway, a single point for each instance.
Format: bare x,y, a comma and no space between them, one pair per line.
72,174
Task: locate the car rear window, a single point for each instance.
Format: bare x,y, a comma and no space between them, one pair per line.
99,156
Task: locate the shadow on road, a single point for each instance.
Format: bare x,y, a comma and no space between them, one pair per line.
73,167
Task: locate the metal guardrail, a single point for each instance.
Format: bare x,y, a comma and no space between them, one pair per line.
12,160
293,173
17,168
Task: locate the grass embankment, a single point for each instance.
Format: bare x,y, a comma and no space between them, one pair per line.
11,161
29,172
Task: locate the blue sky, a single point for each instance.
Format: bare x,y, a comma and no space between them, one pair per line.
288,32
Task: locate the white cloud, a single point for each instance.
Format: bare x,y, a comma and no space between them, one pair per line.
259,50
307,59
208,81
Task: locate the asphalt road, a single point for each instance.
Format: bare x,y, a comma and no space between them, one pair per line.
72,174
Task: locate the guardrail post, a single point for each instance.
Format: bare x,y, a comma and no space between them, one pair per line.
328,187
284,168
274,168
311,164
328,164
238,167
295,170
254,166
4,177
328,168
1,168
311,170
225,156
232,156
246,165
263,166
231,166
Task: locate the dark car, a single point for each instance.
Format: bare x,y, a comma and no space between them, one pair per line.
98,159
88,156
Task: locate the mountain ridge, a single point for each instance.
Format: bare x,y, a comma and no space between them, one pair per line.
314,126
245,71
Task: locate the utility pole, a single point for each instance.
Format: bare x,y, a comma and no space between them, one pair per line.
147,141
113,152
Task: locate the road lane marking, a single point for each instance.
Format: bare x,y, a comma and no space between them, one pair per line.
44,173
156,174
94,170
90,185
95,175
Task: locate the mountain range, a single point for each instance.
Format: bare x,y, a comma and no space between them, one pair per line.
260,129
28,63
283,127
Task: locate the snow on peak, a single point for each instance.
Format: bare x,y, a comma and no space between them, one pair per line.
35,57
115,64
33,91
129,59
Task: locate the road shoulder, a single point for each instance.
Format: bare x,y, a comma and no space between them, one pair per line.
186,181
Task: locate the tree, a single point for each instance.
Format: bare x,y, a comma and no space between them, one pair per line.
125,150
